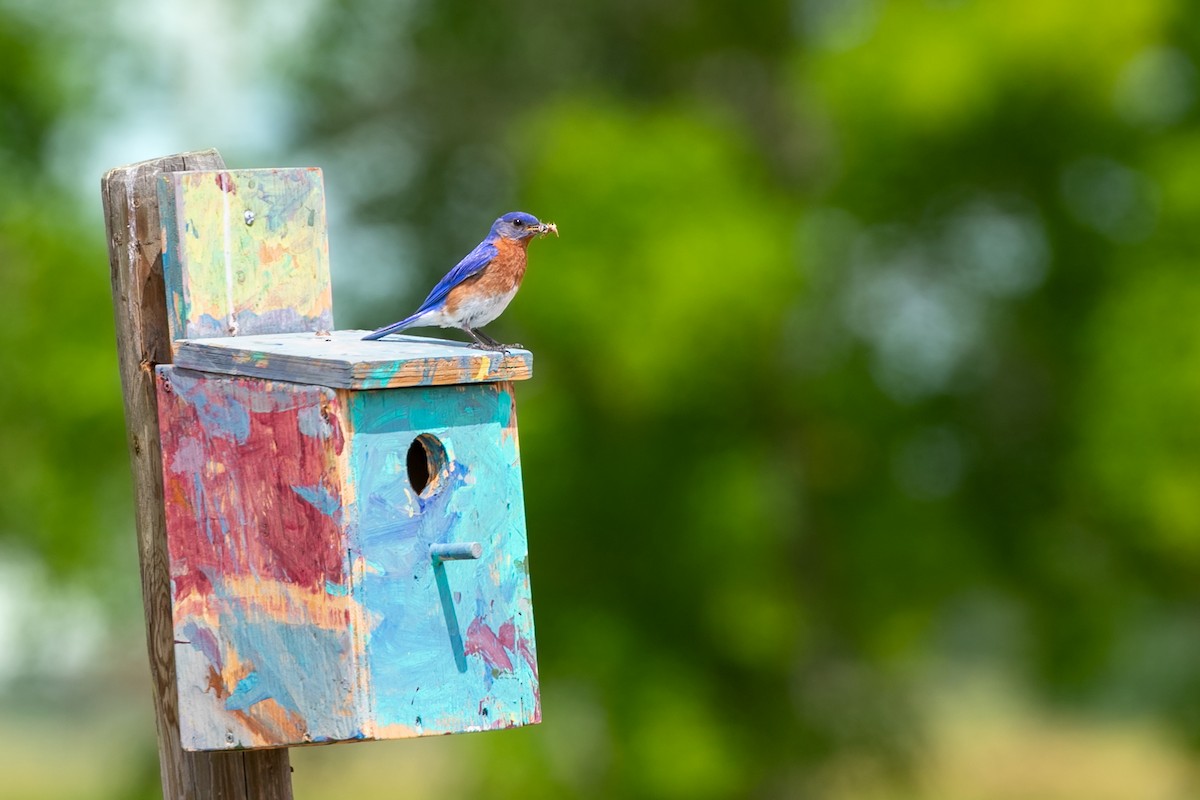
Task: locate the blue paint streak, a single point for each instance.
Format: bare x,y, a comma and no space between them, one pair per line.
320,498
456,642
285,198
202,506
306,669
311,423
203,640
220,415
247,693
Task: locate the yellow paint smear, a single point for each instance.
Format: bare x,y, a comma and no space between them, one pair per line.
268,599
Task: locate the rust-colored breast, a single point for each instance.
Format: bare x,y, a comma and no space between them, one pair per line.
501,277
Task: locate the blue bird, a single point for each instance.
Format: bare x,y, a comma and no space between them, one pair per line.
480,286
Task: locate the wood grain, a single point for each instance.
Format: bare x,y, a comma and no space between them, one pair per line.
342,360
139,301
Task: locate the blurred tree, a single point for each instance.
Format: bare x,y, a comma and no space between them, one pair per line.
64,482
837,355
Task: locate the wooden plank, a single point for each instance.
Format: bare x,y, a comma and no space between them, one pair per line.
247,252
343,360
139,302
260,574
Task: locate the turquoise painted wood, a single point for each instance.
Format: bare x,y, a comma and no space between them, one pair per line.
309,602
456,648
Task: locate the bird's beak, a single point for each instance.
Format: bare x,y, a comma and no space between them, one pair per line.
547,227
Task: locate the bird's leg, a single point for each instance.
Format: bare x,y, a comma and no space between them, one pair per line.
478,344
486,339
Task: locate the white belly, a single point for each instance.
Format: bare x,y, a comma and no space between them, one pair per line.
476,312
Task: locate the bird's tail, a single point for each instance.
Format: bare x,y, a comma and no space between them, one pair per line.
395,326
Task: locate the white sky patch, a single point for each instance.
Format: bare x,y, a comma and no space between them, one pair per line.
46,629
926,299
1156,88
920,326
182,76
1113,199
12,602
210,73
997,250
835,24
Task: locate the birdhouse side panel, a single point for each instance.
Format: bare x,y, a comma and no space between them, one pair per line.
259,577
448,643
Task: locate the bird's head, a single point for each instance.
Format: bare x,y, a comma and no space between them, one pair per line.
521,226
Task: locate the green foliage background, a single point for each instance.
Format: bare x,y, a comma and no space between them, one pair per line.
868,355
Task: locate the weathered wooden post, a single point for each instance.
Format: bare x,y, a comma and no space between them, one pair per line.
130,197
344,519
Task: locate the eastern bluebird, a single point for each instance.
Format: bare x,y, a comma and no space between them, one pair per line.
482,285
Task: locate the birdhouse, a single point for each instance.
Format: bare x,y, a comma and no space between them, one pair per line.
345,518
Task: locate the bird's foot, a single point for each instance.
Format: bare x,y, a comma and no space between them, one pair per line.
485,342
495,347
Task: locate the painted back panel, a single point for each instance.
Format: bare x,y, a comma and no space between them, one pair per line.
450,646
245,252
259,578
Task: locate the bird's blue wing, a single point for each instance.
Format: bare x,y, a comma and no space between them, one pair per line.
472,264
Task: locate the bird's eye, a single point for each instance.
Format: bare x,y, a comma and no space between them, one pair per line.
518,222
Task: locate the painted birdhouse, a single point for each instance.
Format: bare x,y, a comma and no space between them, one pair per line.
345,518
